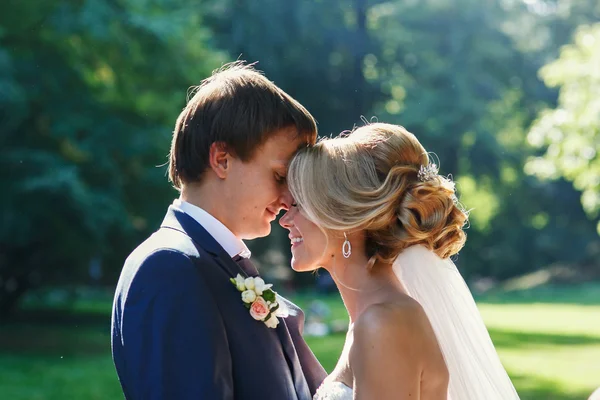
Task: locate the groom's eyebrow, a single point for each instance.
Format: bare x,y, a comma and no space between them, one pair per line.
281,167
281,164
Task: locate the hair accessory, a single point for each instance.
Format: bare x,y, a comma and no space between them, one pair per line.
427,173
346,247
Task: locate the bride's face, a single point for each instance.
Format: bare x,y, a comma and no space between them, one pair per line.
309,243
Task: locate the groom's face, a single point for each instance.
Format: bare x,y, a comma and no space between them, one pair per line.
257,189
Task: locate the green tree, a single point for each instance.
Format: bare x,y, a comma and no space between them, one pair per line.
89,94
453,74
570,132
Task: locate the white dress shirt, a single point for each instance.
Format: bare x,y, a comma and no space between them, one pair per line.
230,243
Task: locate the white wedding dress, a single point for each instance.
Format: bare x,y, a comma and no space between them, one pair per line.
332,390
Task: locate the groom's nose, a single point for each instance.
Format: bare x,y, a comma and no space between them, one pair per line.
286,199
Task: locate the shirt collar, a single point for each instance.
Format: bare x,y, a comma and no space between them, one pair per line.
231,244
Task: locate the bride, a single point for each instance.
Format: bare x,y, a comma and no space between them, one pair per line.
373,211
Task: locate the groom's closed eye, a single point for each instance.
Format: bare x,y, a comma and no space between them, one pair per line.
281,179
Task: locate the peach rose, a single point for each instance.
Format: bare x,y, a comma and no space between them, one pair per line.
259,309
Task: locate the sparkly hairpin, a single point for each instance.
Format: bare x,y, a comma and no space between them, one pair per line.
427,173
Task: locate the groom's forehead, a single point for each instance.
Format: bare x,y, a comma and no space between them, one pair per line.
287,154
282,146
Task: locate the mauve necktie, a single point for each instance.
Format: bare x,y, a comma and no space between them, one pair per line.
246,265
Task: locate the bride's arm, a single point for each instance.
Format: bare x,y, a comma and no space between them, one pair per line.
395,355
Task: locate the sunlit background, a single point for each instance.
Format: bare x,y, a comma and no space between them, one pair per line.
505,92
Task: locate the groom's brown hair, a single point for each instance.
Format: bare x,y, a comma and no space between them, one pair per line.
238,107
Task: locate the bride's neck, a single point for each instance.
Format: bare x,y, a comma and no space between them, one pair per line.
360,287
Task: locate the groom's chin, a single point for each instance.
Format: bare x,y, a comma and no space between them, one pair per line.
266,230
259,233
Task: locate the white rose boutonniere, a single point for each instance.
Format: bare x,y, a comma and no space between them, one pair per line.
272,322
248,296
262,302
240,283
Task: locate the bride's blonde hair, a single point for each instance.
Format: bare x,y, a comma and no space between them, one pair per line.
369,180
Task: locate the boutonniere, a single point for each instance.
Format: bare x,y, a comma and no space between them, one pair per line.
261,300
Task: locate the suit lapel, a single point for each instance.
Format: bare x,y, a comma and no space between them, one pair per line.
300,383
182,222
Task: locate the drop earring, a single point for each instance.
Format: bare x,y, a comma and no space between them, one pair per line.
346,247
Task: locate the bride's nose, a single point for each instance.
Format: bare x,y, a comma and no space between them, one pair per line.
286,220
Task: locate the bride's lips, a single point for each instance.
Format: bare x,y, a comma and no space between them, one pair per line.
296,241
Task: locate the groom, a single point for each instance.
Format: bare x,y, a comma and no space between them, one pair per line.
180,329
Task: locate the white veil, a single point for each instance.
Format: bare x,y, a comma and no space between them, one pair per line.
476,372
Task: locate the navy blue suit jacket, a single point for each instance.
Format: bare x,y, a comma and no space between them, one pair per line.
180,330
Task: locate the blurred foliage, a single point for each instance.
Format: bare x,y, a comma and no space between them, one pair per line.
571,131
90,90
89,93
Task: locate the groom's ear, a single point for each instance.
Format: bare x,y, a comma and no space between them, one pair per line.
219,159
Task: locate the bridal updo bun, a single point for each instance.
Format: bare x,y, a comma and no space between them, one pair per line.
369,180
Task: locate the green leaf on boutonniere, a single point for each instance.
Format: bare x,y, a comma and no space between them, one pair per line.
269,295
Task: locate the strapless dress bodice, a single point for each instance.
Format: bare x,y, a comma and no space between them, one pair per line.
333,390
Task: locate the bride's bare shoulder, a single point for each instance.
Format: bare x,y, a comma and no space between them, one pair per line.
399,328
395,351
402,315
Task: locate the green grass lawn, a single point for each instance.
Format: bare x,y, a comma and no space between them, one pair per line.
547,338
55,355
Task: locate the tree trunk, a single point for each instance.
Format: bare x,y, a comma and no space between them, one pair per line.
10,299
